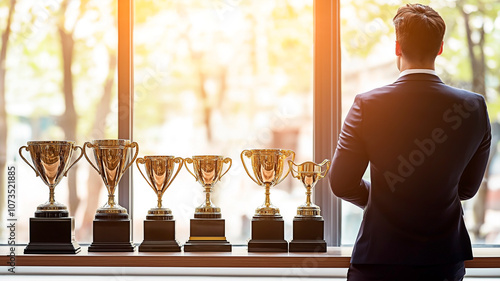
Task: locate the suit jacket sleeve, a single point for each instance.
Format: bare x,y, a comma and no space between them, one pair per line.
350,160
471,178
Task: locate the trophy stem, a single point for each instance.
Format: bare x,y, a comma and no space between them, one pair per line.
159,201
207,209
268,193
208,201
51,195
308,196
111,200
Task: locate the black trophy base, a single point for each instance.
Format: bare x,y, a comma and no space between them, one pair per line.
267,246
159,246
207,235
268,235
111,236
308,246
159,236
52,236
308,235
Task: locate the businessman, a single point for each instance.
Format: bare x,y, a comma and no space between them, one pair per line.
427,145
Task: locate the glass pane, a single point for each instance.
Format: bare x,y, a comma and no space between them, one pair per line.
368,61
217,78
60,85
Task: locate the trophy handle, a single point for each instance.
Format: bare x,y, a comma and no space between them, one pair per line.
247,153
227,160
292,170
77,159
21,154
133,144
189,161
327,162
180,161
88,159
287,153
141,161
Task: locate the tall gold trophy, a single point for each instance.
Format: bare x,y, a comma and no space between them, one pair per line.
268,228
207,229
111,231
159,226
308,224
51,230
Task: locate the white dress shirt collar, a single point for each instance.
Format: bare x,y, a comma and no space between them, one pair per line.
413,71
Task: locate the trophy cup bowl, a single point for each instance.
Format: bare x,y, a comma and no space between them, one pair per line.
111,157
160,174
207,171
267,166
51,162
309,173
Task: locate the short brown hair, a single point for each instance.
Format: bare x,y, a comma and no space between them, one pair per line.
419,31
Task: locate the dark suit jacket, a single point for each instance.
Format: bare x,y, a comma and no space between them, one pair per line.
427,144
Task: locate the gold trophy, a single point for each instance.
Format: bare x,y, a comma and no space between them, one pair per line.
159,226
267,224
51,230
111,157
308,225
112,223
207,227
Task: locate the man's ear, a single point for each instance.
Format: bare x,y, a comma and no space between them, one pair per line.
441,48
398,49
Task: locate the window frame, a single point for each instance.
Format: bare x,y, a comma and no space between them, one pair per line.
125,72
327,108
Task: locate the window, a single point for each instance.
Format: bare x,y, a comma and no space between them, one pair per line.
217,78
280,52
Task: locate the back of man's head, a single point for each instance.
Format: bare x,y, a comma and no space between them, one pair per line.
419,31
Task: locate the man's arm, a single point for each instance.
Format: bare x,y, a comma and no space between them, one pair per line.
471,178
350,160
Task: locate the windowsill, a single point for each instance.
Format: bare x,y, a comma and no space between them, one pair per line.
335,257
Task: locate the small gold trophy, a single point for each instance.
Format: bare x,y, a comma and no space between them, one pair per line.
51,230
159,226
111,223
308,224
207,228
267,224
